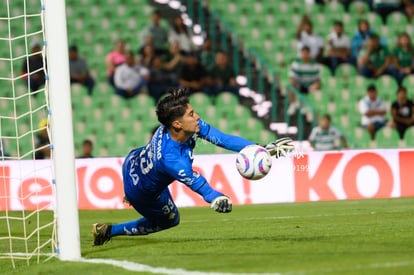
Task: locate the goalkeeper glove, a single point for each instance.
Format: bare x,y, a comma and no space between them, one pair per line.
280,148
221,204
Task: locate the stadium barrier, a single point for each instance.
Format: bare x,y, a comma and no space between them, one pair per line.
314,176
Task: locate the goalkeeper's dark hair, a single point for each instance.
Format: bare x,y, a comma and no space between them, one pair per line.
172,106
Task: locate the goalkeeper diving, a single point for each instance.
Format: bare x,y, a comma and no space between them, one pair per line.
147,171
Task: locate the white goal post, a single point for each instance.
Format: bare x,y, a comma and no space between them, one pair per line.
38,194
62,129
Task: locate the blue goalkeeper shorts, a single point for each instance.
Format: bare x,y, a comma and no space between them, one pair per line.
161,211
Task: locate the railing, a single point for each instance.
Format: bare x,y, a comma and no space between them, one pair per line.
256,79
303,102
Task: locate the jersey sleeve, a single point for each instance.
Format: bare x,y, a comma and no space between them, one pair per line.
383,106
312,136
363,107
183,172
216,137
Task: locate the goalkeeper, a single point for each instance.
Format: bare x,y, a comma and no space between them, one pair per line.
147,171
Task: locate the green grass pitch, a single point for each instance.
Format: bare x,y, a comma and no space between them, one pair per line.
342,237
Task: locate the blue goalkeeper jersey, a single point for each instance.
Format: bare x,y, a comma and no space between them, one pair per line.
148,170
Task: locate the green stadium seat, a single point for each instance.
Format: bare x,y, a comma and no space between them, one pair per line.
251,129
359,8
409,137
373,18
325,72
362,138
319,101
200,102
210,114
225,104
346,71
240,114
397,21
204,147
332,86
347,117
387,137
312,9
387,87
334,7
267,136
322,24
358,87
408,83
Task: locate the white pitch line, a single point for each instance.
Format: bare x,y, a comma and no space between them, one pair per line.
132,266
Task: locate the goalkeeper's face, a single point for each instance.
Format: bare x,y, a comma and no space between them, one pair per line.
189,121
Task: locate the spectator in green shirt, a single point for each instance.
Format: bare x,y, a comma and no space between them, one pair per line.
221,76
374,59
403,57
207,55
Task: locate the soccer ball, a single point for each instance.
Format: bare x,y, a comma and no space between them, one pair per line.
253,162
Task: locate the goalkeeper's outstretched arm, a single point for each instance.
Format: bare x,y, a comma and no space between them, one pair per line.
277,148
184,173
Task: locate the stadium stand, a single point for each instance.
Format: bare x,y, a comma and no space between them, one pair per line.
268,27
272,36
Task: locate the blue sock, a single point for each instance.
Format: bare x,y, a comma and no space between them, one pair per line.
137,227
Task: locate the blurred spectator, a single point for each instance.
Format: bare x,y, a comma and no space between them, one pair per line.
130,78
114,59
374,59
409,9
42,143
403,57
402,112
373,111
359,39
326,137
304,76
180,33
147,41
192,74
385,7
207,55
87,149
221,75
148,53
305,37
157,32
79,71
32,68
339,47
160,79
174,59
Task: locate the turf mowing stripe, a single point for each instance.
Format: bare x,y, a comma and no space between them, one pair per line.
279,217
354,268
132,266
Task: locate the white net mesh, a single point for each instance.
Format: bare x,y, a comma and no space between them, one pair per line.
27,222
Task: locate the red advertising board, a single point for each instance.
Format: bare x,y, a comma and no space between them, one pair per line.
301,177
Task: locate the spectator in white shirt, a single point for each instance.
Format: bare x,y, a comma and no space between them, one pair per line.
373,111
306,38
326,137
339,47
181,34
130,78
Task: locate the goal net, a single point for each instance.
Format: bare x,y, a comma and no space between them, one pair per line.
29,212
